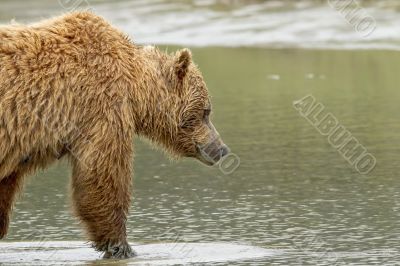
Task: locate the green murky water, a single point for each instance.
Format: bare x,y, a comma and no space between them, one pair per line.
292,191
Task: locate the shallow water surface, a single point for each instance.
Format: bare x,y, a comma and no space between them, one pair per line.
293,193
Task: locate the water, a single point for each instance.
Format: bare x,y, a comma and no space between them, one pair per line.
78,253
273,23
293,192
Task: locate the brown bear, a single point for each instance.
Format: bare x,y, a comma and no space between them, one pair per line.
76,87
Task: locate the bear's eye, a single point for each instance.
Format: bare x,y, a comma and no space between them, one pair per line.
206,113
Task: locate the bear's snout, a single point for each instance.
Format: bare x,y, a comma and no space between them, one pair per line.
212,152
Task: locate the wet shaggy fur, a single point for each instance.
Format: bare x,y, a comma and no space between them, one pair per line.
76,87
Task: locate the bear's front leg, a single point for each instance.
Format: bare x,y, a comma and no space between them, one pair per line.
101,187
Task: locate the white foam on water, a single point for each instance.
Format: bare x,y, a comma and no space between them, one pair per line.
311,24
308,24
75,253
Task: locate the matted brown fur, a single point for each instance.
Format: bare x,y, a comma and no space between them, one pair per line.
74,86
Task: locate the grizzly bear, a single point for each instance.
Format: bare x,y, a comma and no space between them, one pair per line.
76,87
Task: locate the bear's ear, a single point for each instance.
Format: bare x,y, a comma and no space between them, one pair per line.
182,62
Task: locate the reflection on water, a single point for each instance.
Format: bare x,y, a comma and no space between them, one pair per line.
292,191
79,253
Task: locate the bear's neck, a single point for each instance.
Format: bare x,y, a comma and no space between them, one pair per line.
151,100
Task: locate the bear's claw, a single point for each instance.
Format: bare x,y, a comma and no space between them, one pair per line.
121,251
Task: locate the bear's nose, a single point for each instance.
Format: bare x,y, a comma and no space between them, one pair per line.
224,151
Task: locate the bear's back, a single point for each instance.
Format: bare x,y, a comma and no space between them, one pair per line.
51,76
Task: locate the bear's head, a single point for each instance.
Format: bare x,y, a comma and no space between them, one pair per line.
183,125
